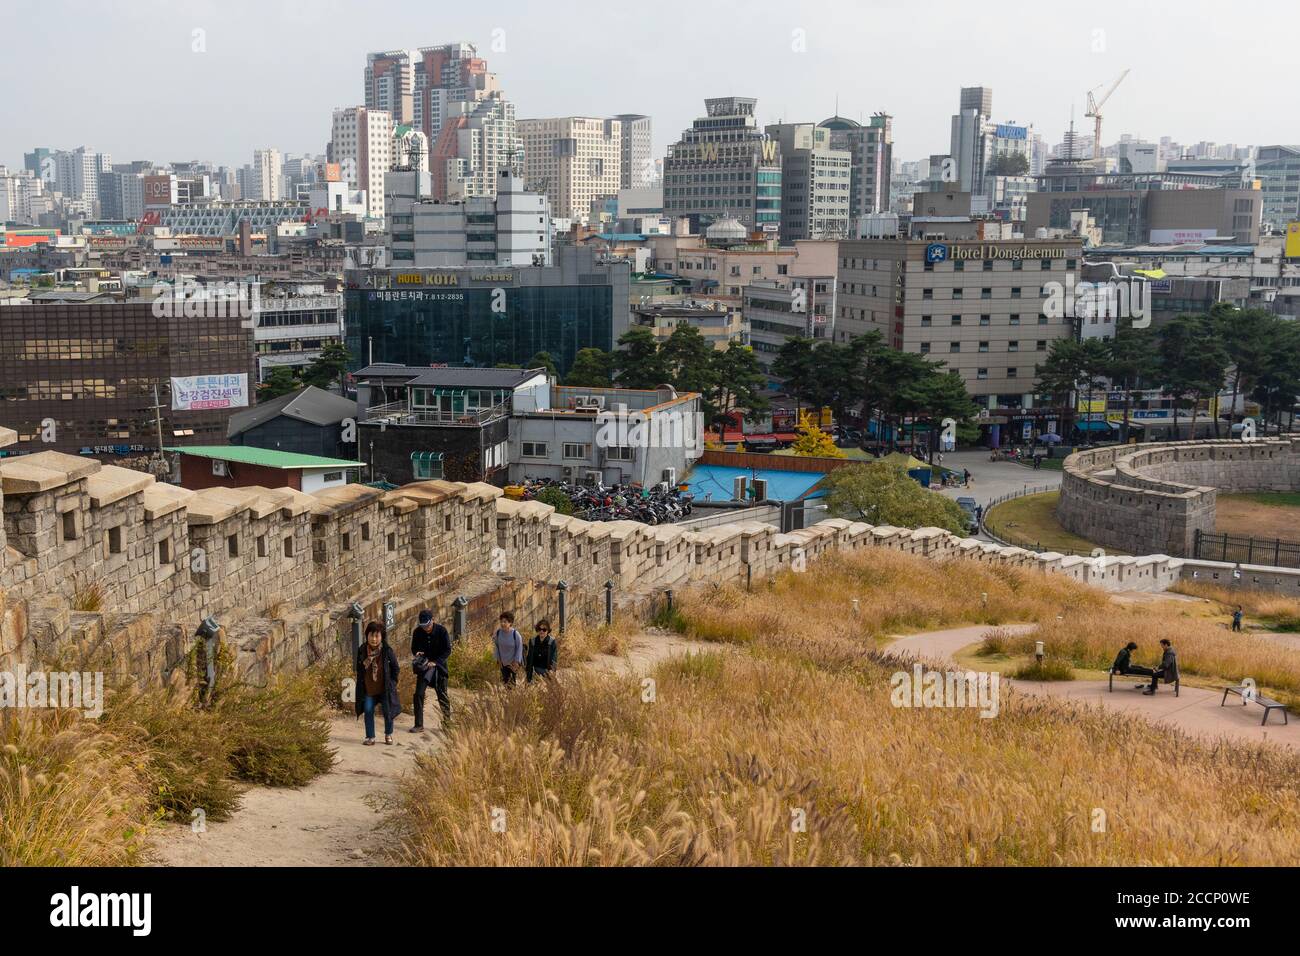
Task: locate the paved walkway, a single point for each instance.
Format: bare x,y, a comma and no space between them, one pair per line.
993,479
1195,711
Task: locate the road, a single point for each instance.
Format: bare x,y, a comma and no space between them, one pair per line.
994,479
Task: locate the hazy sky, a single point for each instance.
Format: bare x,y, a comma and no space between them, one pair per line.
124,76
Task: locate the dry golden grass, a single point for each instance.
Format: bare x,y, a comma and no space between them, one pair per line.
1091,639
896,593
1268,606
796,726
737,749
71,793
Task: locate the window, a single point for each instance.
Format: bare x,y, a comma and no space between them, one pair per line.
954,346
115,540
1042,320
929,267
925,348
232,546
957,293
956,320
616,453
1041,345
984,346
1014,319
988,265
1013,346
533,449
1045,265
426,465
164,552
927,293
365,531
959,266
392,541
332,476
1011,372
288,547
261,545
986,293
1015,292
576,451
925,321
347,540
1017,265
69,521
986,320
981,373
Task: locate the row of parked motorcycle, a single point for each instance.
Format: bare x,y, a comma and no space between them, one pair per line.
660,504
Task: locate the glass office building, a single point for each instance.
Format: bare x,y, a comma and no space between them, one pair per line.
478,317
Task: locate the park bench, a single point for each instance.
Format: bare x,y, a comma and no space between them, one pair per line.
1248,693
1139,679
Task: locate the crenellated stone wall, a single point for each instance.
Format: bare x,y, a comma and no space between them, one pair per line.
1155,497
103,559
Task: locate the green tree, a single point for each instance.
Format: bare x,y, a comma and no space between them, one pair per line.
1279,383
543,360
1251,338
329,367
557,499
882,493
938,396
738,382
1009,164
795,367
637,363
1192,363
281,380
591,368
1130,365
688,357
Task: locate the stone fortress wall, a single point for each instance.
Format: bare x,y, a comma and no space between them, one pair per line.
1155,497
97,558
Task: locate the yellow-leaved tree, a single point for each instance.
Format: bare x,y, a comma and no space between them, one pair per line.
813,442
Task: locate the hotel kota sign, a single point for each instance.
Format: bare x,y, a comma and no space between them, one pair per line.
449,278
967,251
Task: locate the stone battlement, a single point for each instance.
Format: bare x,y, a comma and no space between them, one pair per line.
95,556
1138,498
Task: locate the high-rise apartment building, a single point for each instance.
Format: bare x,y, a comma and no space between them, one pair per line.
637,148
1278,169
76,172
572,160
390,84
361,142
266,176
447,93
815,183
724,166
871,148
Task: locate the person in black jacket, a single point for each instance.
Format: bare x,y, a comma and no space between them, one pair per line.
1168,669
431,649
377,682
1123,664
542,652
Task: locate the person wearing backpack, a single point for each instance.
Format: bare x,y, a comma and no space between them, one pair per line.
508,648
542,653
430,650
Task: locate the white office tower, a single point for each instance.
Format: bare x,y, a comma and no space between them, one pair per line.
361,142
265,182
573,160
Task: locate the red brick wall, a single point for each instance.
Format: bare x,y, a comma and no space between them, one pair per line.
196,474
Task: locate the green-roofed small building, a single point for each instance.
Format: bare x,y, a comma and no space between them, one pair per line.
236,466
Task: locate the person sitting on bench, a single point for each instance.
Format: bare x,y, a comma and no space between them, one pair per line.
1123,665
1168,669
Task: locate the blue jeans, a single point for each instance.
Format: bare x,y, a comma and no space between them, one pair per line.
370,704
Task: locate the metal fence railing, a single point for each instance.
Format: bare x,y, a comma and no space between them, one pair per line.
1239,549
1026,492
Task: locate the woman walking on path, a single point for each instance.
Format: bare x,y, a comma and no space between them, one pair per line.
377,682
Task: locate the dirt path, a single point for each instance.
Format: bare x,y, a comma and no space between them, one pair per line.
1196,710
329,821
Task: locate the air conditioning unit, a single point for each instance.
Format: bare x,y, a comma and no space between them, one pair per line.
568,471
591,477
670,477
591,402
760,489
738,488
221,468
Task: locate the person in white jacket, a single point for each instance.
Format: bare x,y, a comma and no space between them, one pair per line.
508,648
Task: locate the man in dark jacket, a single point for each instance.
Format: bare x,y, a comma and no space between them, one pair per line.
1168,669
431,649
541,654
1123,664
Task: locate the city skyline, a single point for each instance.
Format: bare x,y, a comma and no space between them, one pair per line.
793,58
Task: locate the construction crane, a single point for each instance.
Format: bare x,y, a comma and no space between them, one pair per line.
1094,110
